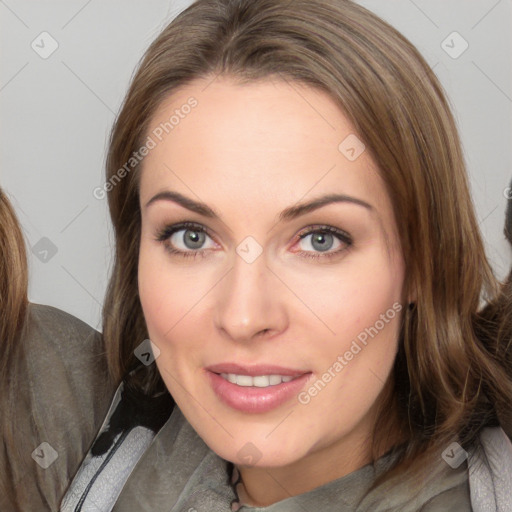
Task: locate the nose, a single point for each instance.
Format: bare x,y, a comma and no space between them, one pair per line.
249,302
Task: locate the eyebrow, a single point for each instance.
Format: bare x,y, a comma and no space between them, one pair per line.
287,214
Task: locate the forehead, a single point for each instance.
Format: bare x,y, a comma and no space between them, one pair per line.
274,140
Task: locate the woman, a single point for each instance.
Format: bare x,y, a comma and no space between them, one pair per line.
54,386
281,180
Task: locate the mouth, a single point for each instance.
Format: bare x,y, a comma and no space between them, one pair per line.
255,389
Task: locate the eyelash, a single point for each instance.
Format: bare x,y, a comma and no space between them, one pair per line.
165,234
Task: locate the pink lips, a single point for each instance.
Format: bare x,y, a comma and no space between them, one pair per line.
252,399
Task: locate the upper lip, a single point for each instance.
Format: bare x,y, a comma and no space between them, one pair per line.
254,370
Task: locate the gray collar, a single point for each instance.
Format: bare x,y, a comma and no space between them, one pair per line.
180,473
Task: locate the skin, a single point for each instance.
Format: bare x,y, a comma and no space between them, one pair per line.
249,152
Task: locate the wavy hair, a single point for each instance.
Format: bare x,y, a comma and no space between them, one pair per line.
448,380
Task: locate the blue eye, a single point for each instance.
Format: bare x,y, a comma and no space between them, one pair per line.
191,240
322,240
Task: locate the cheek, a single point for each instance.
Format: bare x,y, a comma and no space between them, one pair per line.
167,292
162,295
173,299
353,366
152,286
352,300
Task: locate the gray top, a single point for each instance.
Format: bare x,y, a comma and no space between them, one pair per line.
177,472
62,393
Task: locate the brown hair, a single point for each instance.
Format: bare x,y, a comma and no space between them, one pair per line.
13,310
495,326
13,280
446,382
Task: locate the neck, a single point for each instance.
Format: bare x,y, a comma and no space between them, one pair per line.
264,486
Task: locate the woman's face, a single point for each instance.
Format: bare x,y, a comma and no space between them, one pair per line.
276,310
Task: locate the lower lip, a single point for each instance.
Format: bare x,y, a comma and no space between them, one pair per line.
252,399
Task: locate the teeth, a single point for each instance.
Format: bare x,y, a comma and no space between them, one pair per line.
244,380
259,381
275,379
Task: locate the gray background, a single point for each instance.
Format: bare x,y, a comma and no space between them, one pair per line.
57,112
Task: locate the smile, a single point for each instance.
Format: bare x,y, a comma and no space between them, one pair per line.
260,392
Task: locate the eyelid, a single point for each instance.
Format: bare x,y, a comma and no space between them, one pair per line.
325,229
169,229
164,234
342,236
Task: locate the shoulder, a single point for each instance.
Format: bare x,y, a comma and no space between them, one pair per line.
490,471
57,345
66,368
50,325
65,360
60,394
